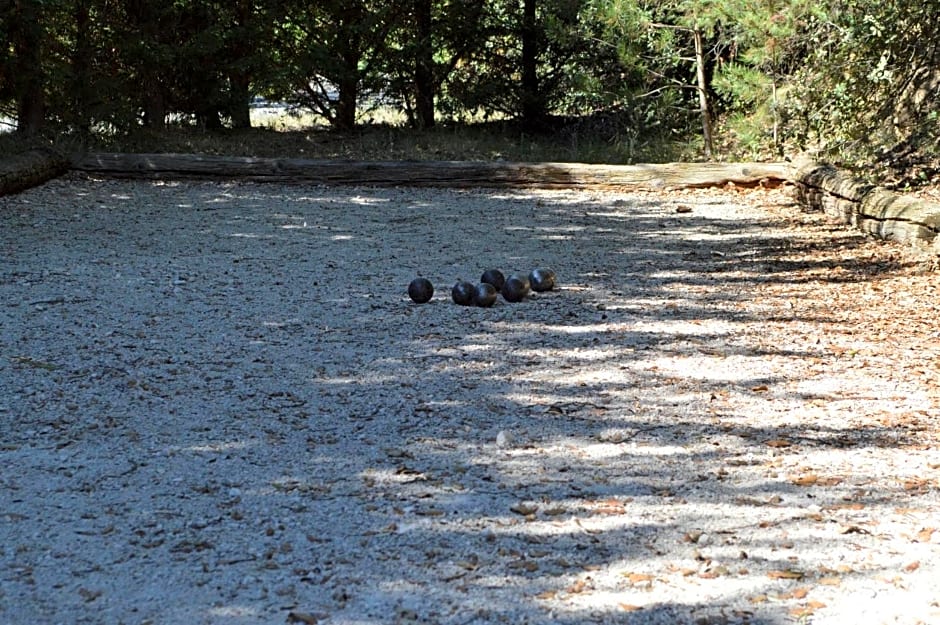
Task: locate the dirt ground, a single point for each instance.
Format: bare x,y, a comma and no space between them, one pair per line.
218,405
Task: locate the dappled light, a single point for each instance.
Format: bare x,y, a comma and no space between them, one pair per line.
720,415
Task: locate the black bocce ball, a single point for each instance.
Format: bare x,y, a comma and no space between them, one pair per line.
515,289
484,295
462,293
494,277
420,290
542,279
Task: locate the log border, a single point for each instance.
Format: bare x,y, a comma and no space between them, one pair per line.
872,209
29,169
818,185
433,173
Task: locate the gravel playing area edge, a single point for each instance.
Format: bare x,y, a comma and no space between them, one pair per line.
218,405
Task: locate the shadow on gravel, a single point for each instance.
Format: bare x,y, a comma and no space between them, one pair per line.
370,426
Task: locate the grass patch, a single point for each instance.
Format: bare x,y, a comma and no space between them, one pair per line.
610,139
469,142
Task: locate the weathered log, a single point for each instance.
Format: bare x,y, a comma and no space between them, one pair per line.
434,173
872,209
28,169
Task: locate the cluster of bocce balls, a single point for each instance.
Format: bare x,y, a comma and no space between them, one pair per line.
515,288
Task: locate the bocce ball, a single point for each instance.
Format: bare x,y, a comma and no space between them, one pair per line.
420,290
542,279
494,277
515,289
462,293
484,295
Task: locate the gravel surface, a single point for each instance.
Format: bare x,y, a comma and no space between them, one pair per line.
218,405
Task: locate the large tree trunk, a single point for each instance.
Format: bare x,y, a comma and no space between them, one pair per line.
154,103
424,65
239,75
346,106
533,105
81,69
240,110
145,21
350,53
27,71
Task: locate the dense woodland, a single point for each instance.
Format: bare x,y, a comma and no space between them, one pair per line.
856,80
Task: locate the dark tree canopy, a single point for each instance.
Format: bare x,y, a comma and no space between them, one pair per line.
854,79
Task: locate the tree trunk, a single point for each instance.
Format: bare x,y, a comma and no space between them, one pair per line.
703,92
240,86
346,106
153,101
239,76
81,69
350,54
533,106
424,65
27,71
145,23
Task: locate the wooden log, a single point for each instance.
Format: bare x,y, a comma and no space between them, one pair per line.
28,169
872,209
434,173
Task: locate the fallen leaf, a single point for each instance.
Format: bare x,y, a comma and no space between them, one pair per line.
798,593
807,609
578,587
916,484
638,578
787,574
627,607
525,509
830,581
547,595
683,208
526,565
89,595
855,505
758,599
760,388
305,618
913,566
805,480
609,506
779,442
691,537
854,529
925,535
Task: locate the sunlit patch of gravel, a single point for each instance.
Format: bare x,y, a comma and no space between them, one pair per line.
218,405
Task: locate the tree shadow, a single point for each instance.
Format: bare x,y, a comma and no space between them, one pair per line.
331,443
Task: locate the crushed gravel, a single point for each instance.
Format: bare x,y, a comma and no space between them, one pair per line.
218,405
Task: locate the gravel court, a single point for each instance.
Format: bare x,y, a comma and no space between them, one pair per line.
217,405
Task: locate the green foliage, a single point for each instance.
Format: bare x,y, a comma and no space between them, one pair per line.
857,80
868,89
